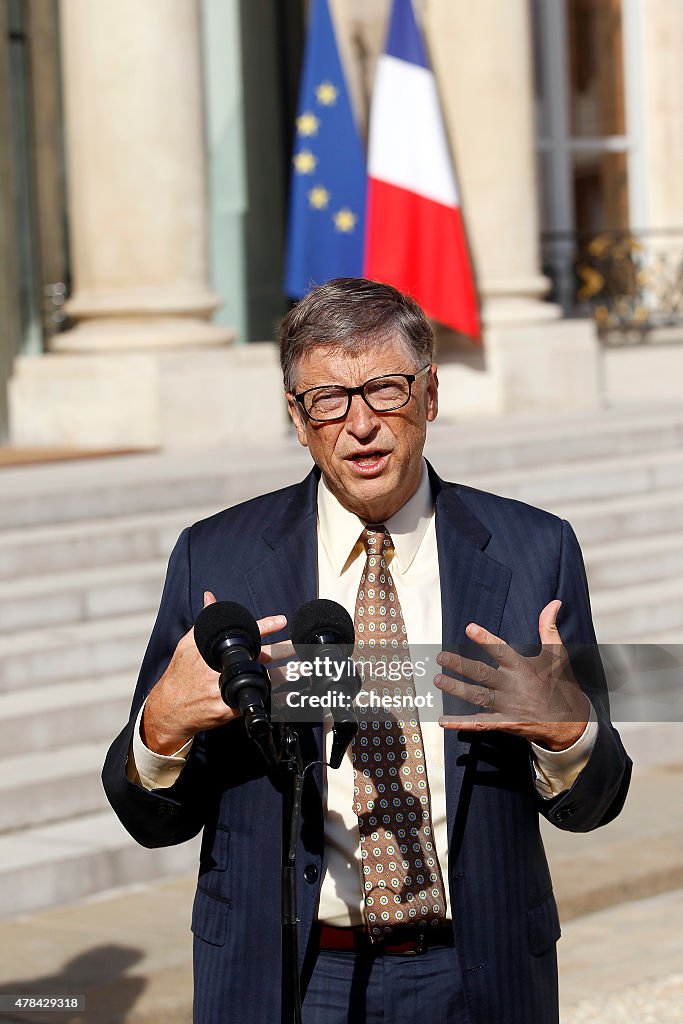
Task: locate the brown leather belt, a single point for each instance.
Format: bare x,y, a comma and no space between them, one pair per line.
402,941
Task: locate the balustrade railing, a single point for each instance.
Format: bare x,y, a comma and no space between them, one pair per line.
630,282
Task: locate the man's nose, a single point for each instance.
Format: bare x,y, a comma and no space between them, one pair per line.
361,420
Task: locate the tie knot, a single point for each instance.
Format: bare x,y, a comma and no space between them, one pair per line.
377,540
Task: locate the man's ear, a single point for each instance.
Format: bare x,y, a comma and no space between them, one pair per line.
298,418
432,394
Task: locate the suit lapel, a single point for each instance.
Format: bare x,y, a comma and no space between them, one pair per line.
474,588
286,576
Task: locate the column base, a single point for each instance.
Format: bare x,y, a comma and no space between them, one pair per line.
648,372
546,366
148,399
140,334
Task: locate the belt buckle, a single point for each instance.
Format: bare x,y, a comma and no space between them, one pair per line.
420,944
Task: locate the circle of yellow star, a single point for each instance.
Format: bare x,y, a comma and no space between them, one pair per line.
304,162
307,124
345,220
326,94
318,197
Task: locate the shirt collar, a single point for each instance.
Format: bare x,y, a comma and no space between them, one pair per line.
339,529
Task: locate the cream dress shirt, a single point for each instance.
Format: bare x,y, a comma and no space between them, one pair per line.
415,570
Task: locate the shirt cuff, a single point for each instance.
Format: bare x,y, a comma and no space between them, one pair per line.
557,770
149,769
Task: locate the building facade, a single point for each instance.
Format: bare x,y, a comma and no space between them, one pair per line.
144,160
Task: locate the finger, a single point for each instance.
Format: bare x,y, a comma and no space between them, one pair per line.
493,645
489,723
477,723
271,624
480,696
475,671
209,598
547,623
547,628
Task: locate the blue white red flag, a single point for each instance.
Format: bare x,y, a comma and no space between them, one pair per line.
415,237
326,227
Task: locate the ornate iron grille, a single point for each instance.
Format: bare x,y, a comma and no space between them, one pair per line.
630,282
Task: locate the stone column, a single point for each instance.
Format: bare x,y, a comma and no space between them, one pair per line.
660,27
136,175
482,56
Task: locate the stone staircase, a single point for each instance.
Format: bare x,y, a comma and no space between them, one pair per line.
83,549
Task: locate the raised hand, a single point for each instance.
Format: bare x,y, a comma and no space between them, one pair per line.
537,698
187,699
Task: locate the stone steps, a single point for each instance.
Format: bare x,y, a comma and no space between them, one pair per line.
625,562
593,480
37,788
624,614
49,718
64,861
64,598
638,517
140,484
93,543
85,650
535,440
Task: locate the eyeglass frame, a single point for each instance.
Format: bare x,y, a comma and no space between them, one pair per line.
350,392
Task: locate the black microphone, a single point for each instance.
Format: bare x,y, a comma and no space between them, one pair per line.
328,628
228,639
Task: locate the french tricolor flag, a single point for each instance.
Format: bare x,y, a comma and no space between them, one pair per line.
415,237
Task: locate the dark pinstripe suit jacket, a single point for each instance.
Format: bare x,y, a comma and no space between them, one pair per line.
500,563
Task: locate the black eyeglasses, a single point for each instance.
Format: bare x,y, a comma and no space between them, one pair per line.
382,394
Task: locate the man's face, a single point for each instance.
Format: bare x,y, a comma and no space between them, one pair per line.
372,462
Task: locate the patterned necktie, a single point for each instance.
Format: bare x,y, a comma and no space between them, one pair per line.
402,882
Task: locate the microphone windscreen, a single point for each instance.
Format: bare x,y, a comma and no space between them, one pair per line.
224,619
322,617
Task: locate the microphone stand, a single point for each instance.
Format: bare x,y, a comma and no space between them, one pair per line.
293,771
291,765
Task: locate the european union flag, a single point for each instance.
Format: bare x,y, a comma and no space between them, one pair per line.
327,194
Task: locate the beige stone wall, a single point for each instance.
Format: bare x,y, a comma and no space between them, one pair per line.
662,62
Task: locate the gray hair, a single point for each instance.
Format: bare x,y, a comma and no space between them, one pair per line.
345,314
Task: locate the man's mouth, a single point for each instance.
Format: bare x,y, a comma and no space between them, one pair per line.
366,463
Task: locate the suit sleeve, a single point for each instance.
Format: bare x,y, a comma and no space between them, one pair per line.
599,791
160,817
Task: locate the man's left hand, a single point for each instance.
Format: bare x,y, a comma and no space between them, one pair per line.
536,698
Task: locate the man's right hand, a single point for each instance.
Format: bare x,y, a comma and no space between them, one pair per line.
187,699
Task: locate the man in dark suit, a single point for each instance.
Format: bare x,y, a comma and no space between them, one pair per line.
423,884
